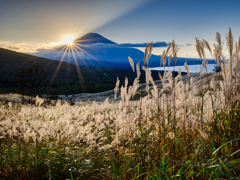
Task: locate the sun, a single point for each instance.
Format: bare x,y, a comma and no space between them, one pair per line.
69,40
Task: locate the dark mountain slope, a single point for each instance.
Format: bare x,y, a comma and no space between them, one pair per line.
92,79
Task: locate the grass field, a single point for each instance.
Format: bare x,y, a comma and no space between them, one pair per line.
181,128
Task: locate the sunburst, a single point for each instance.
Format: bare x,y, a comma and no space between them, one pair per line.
71,46
68,39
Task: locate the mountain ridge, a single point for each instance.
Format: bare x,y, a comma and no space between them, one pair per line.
92,38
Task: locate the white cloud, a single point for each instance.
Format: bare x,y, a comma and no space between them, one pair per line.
27,48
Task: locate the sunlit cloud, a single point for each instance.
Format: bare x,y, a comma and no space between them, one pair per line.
28,48
14,47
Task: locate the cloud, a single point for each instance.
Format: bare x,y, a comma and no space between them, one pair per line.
156,44
27,48
130,45
127,45
39,47
14,47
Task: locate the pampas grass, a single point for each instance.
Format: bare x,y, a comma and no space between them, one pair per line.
131,63
186,126
186,67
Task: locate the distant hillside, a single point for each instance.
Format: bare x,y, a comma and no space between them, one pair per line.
92,79
12,61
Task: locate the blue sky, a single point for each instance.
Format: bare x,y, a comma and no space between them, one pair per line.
27,25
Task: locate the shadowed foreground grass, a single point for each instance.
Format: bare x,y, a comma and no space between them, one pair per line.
188,155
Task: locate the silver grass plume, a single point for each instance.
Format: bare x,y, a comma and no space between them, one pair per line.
218,39
154,91
169,59
198,47
168,49
224,60
218,48
122,93
126,82
191,80
160,76
202,49
201,71
230,40
180,73
239,43
148,74
116,89
206,44
146,54
167,77
237,55
150,50
216,54
186,67
204,63
138,70
131,63
128,94
135,86
175,50
223,67
162,58
144,68
212,84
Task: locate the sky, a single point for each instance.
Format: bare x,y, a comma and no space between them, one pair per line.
30,25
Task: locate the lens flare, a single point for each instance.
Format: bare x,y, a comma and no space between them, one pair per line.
68,40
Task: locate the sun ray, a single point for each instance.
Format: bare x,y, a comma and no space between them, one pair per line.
85,52
80,77
79,55
68,65
58,67
81,58
64,48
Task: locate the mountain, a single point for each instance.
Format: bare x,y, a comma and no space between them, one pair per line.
92,38
93,49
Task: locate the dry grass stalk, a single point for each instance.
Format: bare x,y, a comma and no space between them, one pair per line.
163,58
186,67
150,50
198,47
230,41
146,54
131,63
138,70
169,59
116,89
206,44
